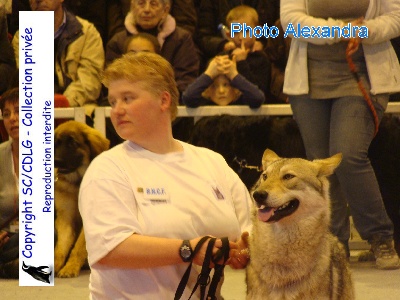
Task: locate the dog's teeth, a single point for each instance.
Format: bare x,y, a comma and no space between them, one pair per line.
262,206
283,206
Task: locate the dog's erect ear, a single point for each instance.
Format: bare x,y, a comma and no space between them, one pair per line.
97,142
328,165
268,158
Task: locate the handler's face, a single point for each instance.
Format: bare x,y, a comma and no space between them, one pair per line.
134,110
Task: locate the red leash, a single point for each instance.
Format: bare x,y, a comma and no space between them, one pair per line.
353,44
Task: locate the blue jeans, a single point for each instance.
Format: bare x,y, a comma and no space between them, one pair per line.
346,125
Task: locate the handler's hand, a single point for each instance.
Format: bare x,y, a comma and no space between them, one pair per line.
240,256
198,259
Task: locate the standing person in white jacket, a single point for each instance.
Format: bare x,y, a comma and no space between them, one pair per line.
332,112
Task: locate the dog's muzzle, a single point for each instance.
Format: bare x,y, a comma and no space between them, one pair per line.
273,214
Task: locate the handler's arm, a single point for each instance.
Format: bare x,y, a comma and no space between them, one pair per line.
139,251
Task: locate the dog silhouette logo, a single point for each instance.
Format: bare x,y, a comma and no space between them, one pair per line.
37,272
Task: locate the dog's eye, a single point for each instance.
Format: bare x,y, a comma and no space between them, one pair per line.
264,176
72,143
288,176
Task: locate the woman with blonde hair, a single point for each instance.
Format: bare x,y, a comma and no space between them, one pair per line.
147,203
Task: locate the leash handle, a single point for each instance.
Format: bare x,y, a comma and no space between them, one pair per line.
185,278
219,268
204,277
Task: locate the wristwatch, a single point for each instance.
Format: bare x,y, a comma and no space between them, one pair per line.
186,251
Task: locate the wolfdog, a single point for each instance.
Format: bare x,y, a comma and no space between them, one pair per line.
293,255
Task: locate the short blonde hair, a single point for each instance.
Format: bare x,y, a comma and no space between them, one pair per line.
240,12
151,70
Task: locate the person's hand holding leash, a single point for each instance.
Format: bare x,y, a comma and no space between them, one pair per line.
353,41
199,257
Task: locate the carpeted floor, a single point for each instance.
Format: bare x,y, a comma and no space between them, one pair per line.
370,284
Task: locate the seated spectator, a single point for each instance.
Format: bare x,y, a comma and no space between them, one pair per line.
214,12
92,11
142,42
176,43
183,11
251,62
9,173
221,84
7,59
78,55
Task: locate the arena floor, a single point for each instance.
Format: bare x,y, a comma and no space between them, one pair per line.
370,284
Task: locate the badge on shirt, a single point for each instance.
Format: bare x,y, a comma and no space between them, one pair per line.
154,195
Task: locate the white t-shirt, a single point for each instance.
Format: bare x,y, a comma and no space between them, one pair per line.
180,195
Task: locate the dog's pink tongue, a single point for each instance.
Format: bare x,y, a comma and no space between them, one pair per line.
265,214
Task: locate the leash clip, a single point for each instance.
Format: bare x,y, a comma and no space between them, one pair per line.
243,165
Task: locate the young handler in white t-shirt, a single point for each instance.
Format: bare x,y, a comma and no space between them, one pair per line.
142,199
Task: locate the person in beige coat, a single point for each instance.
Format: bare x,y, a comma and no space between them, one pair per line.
78,55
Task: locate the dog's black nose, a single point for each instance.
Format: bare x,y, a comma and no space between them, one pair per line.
260,196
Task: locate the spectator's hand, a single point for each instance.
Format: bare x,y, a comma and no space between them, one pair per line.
229,46
3,238
258,46
230,69
240,53
213,68
239,256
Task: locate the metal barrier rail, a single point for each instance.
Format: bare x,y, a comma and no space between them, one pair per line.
76,113
101,113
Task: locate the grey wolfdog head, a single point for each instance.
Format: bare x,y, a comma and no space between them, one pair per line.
292,189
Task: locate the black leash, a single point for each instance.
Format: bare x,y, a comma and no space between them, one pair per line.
219,269
204,277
